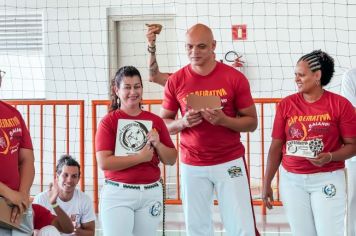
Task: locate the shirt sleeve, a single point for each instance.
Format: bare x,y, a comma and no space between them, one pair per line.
348,89
105,136
243,97
164,135
88,214
170,101
278,131
26,137
347,121
42,217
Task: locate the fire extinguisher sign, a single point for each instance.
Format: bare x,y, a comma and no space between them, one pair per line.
239,32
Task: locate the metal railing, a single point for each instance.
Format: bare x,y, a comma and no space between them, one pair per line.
260,104
49,108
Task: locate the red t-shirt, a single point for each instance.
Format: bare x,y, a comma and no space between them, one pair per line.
324,122
13,136
206,144
41,216
105,140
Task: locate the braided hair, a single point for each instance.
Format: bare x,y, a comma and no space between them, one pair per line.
125,71
319,60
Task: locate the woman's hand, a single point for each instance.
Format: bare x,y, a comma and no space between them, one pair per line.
267,195
146,153
153,137
321,159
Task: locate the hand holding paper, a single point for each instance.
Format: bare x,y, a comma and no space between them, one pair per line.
191,118
202,102
213,116
321,159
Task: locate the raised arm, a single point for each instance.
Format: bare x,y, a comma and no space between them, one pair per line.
155,75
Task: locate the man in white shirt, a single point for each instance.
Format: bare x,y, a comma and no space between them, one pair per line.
348,90
75,203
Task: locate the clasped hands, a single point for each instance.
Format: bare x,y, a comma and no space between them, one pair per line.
194,117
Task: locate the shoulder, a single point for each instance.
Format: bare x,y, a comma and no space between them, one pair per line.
82,197
350,75
41,198
293,98
109,118
10,108
109,115
182,70
336,97
151,115
176,76
229,70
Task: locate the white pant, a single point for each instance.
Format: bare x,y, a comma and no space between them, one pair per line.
351,196
315,204
48,230
230,181
125,211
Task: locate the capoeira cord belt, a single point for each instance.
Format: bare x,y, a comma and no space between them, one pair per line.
131,186
164,207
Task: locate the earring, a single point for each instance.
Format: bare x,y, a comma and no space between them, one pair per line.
317,82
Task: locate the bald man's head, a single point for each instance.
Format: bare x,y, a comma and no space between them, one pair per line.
200,45
200,29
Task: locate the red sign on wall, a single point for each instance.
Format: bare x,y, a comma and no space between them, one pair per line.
239,32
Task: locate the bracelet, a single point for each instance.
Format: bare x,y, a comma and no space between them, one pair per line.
331,157
54,205
151,49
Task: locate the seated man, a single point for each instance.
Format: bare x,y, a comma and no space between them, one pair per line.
46,224
75,203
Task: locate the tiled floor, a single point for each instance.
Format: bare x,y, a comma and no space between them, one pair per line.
273,224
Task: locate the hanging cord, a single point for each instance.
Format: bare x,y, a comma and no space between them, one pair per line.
164,207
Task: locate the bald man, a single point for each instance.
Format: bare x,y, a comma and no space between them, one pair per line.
155,75
211,164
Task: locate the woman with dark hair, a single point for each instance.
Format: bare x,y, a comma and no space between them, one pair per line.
131,199
314,132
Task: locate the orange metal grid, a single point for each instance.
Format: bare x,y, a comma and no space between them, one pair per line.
54,103
28,104
177,201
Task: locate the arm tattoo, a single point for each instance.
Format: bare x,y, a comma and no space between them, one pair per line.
153,69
